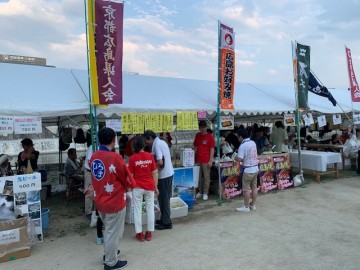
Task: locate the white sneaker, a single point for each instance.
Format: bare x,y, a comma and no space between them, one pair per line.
243,209
198,195
205,197
252,207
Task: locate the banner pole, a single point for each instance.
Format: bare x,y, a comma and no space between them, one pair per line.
89,9
297,115
352,104
218,115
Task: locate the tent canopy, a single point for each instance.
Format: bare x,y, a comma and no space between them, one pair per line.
52,92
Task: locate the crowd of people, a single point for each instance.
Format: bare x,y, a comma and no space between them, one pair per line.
109,181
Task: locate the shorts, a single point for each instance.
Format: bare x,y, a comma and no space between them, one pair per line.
249,181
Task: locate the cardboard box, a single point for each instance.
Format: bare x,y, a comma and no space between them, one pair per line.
178,208
14,239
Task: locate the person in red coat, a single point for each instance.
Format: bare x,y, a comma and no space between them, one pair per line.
111,178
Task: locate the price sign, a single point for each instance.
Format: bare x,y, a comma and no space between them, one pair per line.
27,182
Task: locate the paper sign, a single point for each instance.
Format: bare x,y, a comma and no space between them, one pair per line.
114,124
27,125
6,125
9,236
27,182
321,121
202,115
227,122
308,119
356,118
337,119
289,120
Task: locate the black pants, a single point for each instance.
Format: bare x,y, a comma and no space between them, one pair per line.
165,190
99,226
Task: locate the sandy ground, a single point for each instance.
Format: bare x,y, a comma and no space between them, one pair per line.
313,227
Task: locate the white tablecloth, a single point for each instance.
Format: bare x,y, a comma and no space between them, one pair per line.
315,160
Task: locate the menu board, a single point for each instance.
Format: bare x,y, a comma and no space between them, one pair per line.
267,177
283,171
230,179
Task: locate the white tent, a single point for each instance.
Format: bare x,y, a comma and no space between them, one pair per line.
53,92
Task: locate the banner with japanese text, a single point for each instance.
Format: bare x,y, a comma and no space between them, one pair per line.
6,125
186,120
137,123
354,87
27,125
109,50
227,67
303,74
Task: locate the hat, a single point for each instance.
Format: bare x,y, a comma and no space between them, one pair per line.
202,123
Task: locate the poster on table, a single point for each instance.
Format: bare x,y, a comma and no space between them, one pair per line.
230,179
227,122
283,171
27,125
289,120
267,177
21,196
308,119
6,125
321,121
183,184
114,124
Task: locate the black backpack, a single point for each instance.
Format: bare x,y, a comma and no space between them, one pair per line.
80,137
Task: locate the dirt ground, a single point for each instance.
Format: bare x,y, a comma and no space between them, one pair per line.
310,227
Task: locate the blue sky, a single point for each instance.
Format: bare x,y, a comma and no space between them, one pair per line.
178,38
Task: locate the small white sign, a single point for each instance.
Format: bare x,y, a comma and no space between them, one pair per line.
289,120
227,122
356,119
308,119
115,124
337,119
6,125
27,125
27,182
321,121
9,236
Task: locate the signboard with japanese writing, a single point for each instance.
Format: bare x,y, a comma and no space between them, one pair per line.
289,120
27,125
303,74
230,179
283,171
354,87
202,115
321,121
186,120
25,198
337,119
308,119
6,124
267,174
114,124
227,122
109,50
227,67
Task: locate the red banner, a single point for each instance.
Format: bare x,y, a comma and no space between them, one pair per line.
227,67
354,87
109,46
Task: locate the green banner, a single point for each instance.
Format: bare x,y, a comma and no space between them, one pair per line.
303,74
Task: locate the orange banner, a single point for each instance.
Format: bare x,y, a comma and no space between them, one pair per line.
227,79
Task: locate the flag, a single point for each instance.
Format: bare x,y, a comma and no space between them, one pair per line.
303,74
227,67
317,88
109,50
354,87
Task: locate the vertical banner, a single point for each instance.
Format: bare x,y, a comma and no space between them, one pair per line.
227,67
92,57
303,74
354,87
109,47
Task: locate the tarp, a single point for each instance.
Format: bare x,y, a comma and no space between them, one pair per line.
51,92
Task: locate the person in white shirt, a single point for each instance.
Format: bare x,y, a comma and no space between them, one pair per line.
160,150
247,154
